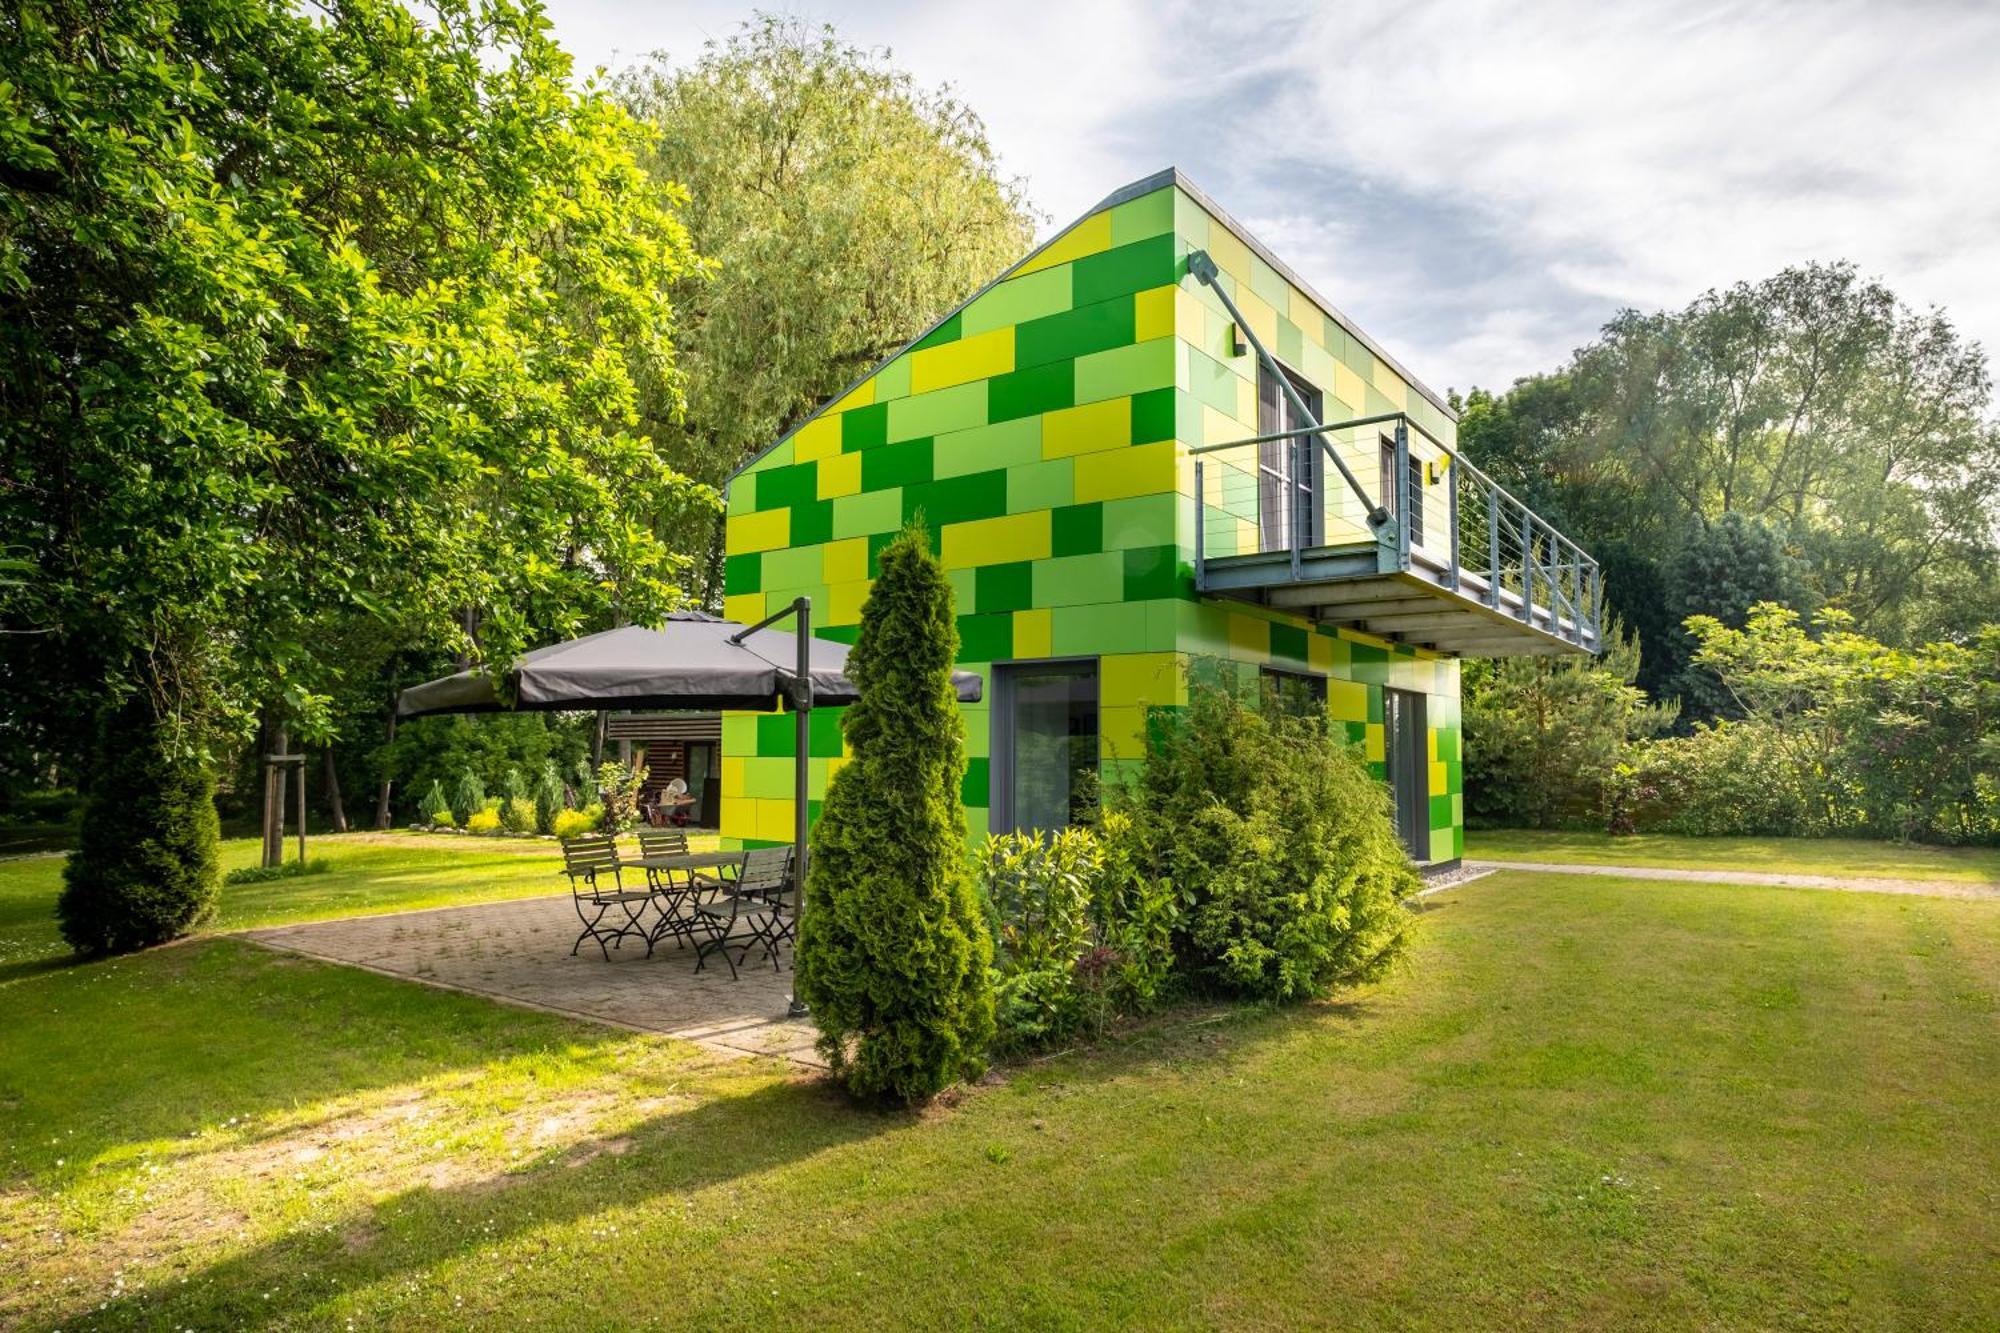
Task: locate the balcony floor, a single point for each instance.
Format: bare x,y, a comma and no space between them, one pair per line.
1346,586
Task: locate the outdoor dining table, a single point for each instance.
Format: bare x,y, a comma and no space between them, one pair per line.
659,868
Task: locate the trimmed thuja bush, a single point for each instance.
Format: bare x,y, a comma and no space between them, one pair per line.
1277,841
147,867
893,955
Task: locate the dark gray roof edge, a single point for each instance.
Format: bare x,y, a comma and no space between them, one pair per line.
1123,194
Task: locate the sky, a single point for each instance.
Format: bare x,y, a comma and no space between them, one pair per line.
1478,185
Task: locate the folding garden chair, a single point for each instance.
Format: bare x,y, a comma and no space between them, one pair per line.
589,861
754,901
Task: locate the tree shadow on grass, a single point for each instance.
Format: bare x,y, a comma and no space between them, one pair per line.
163,1044
712,1143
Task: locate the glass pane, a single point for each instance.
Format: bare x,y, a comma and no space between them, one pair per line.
1054,763
1296,694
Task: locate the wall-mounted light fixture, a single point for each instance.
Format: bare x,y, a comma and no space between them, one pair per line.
1236,344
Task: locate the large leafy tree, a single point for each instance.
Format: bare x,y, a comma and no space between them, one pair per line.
1858,430
846,208
321,327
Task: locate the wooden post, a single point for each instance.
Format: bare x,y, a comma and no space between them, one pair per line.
274,798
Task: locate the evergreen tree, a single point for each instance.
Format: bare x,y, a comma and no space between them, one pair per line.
893,953
147,866
469,798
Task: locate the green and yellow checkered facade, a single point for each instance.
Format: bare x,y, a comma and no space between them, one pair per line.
1042,433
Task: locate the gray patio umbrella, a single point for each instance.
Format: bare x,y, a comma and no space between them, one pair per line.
694,661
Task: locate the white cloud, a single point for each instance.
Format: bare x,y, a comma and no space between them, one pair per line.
1481,184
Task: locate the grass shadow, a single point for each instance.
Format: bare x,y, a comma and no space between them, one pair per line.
682,1152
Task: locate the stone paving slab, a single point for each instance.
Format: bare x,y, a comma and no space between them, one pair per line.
1930,888
519,952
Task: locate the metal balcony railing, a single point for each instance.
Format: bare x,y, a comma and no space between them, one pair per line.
1384,483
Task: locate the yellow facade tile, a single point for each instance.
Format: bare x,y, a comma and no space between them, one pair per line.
1258,315
1230,255
744,607
1347,387
1087,429
1118,474
1141,678
979,357
1153,313
1122,732
861,395
767,531
732,775
739,816
839,475
1319,652
844,600
1390,385
1372,745
773,821
1250,635
1033,633
818,438
1347,700
1437,780
1310,319
1085,238
992,541
844,561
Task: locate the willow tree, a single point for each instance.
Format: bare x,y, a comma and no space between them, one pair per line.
845,207
893,953
319,326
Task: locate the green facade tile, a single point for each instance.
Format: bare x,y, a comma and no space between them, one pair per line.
1018,300
1153,415
943,333
1028,392
1291,342
957,499
1288,643
868,512
1148,215
907,463
744,573
812,523
1077,529
788,567
1115,627
1046,485
823,735
1140,520
1006,587
776,737
1125,269
864,427
974,788
893,381
1074,580
986,638
1212,383
877,543
960,407
1269,284
1126,370
1074,333
1004,444
1153,571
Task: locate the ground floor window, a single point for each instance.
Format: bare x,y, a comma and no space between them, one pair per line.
1044,764
1295,693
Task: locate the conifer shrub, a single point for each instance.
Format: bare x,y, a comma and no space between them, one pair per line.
1278,843
550,798
147,867
893,954
517,815
468,798
434,810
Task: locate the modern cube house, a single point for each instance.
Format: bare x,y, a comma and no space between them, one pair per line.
1147,448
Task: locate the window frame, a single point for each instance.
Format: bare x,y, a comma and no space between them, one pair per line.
1000,814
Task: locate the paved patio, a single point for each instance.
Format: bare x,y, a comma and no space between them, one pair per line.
518,952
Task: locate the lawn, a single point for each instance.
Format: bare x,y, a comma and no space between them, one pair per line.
1797,856
367,872
1579,1105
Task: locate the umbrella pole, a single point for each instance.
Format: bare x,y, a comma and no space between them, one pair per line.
802,702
